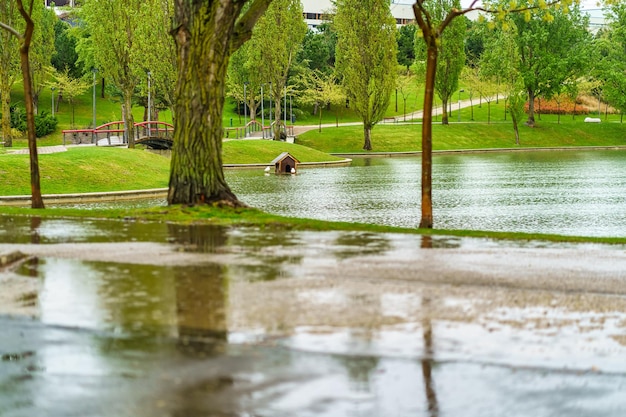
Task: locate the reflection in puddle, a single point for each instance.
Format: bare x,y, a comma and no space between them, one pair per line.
275,325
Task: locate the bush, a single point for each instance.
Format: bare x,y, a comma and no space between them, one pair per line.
567,106
45,123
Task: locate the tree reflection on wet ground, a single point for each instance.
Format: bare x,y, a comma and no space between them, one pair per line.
283,323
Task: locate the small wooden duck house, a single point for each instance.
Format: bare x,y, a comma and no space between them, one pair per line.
285,164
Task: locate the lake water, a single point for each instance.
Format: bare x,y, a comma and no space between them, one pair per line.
562,192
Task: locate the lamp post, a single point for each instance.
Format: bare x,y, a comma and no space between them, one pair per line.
245,108
52,96
94,70
262,114
271,130
285,110
460,91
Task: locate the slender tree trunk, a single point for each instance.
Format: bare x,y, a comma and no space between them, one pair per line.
367,133
444,112
531,108
320,128
6,115
204,47
427,138
102,88
404,110
489,112
515,128
36,198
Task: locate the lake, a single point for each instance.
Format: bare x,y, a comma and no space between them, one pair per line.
562,192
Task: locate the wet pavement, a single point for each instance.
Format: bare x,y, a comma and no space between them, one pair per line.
141,319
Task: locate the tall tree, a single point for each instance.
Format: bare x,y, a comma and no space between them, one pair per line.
550,53
611,67
317,51
244,78
155,52
9,63
406,45
65,56
112,25
42,49
367,58
451,52
431,35
284,25
206,35
25,40
322,90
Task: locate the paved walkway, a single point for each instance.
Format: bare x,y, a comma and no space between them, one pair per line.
40,150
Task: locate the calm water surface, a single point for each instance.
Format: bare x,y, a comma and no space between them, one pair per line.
572,193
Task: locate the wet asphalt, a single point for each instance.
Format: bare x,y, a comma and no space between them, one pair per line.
134,319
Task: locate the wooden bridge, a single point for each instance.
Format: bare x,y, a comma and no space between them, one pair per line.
159,135
153,134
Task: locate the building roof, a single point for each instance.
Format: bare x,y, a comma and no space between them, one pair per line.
283,156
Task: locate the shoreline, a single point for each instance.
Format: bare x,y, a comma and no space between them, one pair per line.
129,195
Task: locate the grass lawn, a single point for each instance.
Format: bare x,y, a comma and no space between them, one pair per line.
85,170
97,169
264,151
388,137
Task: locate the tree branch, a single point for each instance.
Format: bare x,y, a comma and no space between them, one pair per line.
11,30
454,13
244,25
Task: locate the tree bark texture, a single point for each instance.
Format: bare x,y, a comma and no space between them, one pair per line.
129,119
203,45
367,134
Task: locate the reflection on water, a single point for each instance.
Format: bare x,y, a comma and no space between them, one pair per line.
573,193
266,333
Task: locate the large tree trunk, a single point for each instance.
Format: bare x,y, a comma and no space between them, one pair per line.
367,133
427,138
203,46
36,198
531,108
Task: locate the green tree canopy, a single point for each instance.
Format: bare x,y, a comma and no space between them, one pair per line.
553,47
284,25
366,58
451,52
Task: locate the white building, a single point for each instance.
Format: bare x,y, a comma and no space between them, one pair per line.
314,11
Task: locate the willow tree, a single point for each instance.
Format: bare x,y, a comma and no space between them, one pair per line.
367,58
432,30
25,40
207,33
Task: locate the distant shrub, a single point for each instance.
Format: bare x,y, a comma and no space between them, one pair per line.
567,106
45,123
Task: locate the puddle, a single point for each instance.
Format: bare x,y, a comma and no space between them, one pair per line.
284,323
